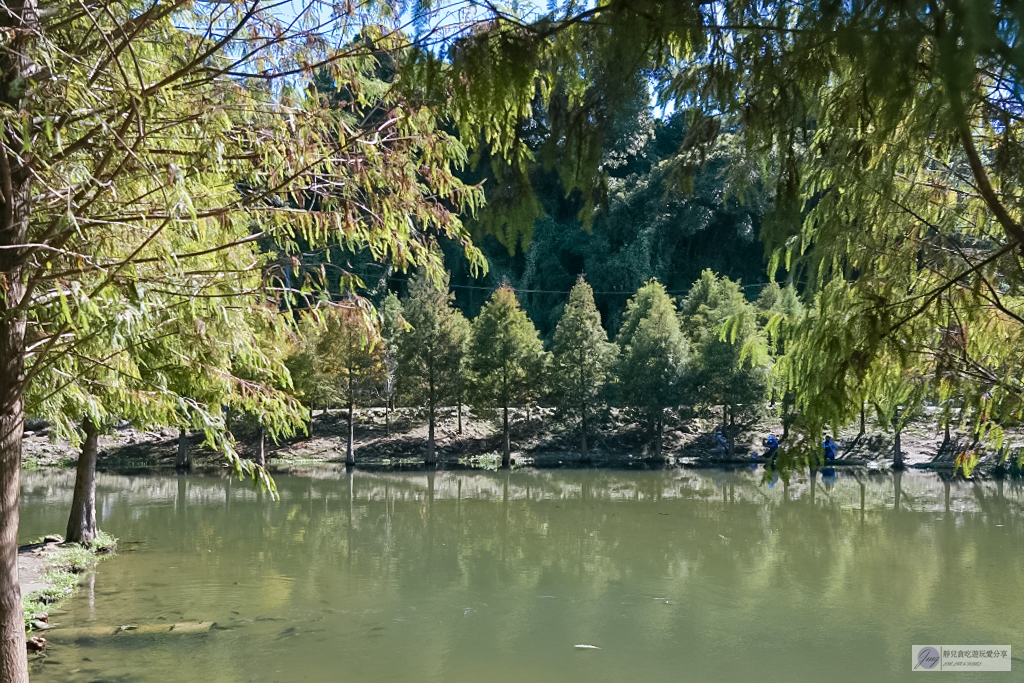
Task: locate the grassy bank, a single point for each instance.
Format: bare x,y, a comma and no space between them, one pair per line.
59,567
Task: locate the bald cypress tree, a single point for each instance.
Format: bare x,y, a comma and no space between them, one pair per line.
653,351
729,364
507,358
432,350
583,358
349,350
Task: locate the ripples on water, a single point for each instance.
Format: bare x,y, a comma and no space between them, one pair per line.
456,576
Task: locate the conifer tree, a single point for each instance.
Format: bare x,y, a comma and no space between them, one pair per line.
583,358
349,350
508,358
432,350
729,363
311,384
653,351
392,328
463,334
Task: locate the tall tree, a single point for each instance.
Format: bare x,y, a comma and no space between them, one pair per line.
121,142
392,329
432,350
652,356
349,350
729,365
463,334
583,359
508,359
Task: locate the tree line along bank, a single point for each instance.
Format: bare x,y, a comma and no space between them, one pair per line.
709,351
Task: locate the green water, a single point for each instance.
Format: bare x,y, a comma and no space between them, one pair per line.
494,577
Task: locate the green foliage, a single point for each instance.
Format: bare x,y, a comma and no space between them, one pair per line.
508,361
348,350
649,224
729,365
583,359
392,330
434,347
175,188
653,353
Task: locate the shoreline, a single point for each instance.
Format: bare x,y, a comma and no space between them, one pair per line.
49,572
539,436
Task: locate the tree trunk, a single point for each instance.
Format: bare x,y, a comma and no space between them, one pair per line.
184,460
13,657
460,413
311,419
732,432
350,457
261,452
863,425
82,521
21,24
659,428
431,447
583,428
506,453
387,417
897,454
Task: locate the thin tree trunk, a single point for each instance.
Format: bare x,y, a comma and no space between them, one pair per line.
350,457
387,417
184,460
431,447
732,432
863,423
583,428
311,419
506,453
897,455
261,453
460,413
659,429
82,520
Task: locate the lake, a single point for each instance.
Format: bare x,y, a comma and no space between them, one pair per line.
676,575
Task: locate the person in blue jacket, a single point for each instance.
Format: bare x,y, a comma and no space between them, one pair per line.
830,448
772,446
723,443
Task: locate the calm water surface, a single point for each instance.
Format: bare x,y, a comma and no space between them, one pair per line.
451,577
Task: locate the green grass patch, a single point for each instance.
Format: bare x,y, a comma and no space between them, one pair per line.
64,569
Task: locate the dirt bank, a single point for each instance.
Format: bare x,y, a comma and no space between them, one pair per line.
539,438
